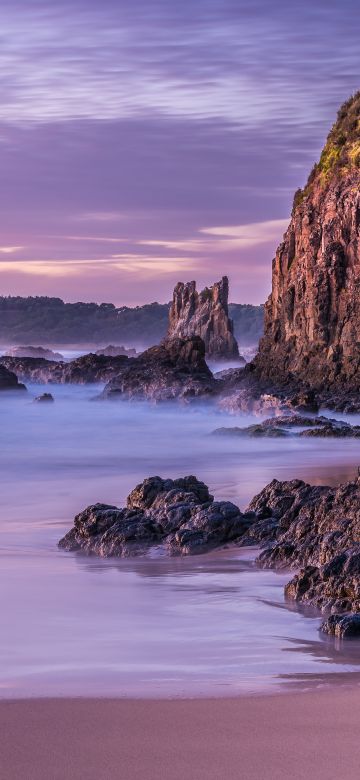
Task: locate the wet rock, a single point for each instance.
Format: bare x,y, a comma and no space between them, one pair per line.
9,380
179,517
315,529
204,314
282,425
176,369
342,626
44,398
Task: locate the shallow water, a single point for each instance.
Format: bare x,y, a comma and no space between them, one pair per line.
210,625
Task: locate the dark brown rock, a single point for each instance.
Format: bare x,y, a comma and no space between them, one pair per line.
342,626
312,317
176,369
204,314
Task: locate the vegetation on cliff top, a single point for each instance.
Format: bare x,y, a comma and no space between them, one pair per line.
341,152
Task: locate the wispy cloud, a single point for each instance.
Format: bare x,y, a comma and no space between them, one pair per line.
10,250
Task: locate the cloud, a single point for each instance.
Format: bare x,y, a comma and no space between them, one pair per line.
10,250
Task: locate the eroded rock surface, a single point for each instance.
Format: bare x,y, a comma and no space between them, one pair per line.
178,516
312,317
174,369
204,314
315,529
87,369
9,380
280,426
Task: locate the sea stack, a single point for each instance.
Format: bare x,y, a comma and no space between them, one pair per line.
312,317
204,314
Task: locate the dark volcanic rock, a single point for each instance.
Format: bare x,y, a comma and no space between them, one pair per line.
87,369
9,380
45,398
179,516
174,369
342,626
312,318
204,314
316,529
281,426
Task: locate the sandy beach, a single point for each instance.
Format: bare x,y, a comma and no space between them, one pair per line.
301,735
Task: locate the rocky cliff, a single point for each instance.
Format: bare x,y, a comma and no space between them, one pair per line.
312,317
204,314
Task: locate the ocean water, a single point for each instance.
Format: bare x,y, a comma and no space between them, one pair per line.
199,626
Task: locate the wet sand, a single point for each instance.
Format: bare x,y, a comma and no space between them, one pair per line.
295,735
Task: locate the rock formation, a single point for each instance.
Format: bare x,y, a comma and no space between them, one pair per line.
204,314
315,529
175,369
44,398
113,350
179,516
9,380
312,317
34,352
281,426
87,369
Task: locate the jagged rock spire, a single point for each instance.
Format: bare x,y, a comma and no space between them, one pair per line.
204,314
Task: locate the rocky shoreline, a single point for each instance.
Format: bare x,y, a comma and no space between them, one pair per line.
313,529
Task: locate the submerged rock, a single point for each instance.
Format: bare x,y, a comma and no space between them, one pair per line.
44,398
179,516
113,350
9,380
204,314
281,426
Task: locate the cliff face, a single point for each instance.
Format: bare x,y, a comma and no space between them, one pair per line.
204,314
312,317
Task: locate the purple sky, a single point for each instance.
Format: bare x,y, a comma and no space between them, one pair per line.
144,142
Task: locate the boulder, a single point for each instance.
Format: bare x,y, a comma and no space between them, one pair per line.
44,398
179,517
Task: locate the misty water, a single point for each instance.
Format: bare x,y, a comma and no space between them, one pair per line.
206,625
